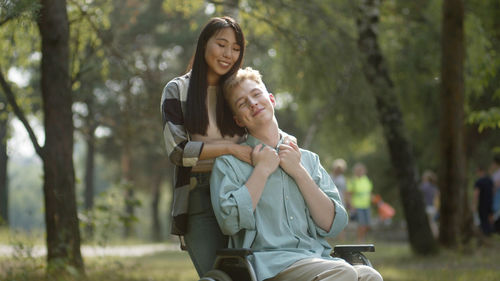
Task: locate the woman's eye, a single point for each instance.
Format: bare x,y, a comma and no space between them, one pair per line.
221,45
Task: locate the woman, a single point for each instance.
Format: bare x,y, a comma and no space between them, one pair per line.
197,130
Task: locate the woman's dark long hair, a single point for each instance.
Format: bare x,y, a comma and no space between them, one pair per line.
196,117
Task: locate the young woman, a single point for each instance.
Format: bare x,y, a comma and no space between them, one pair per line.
197,128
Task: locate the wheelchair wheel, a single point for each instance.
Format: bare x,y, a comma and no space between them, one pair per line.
216,275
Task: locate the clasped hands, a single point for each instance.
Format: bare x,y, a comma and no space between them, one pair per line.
268,160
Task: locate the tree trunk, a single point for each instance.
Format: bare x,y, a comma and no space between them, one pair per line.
4,187
452,181
155,202
89,173
126,161
377,75
63,235
231,8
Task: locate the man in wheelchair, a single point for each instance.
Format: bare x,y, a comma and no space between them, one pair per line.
284,205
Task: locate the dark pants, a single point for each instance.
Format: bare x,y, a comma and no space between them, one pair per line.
203,235
484,223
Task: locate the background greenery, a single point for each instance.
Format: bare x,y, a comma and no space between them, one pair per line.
123,52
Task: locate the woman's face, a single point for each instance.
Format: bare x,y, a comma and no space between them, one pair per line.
221,52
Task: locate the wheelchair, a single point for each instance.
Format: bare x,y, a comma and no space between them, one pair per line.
233,265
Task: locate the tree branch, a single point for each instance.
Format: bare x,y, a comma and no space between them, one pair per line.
20,114
5,20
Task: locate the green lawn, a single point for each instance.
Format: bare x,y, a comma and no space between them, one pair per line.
393,260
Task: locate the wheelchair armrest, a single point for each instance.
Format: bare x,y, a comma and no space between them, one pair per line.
354,248
353,253
234,252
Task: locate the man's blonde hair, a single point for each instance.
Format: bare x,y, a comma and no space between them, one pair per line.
241,75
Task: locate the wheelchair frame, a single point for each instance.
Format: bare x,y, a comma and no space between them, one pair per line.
233,264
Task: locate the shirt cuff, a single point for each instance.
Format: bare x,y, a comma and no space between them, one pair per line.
191,153
339,222
245,208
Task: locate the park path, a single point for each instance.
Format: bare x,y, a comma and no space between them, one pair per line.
93,251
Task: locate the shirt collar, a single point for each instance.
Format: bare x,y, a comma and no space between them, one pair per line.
253,141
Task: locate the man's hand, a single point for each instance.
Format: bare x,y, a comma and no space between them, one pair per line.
265,159
289,155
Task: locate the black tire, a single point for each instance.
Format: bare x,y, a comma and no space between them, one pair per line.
216,275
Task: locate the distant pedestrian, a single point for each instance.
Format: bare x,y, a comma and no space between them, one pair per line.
431,194
495,176
339,167
360,190
483,199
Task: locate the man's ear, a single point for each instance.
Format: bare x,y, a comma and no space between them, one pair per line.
273,100
238,121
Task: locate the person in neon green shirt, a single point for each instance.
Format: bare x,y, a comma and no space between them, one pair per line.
360,190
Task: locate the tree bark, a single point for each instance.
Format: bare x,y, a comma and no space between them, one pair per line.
452,180
4,187
89,170
231,8
126,163
63,235
155,202
390,116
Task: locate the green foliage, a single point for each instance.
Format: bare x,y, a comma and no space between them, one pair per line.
486,118
20,9
108,215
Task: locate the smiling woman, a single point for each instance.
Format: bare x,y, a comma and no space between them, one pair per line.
197,128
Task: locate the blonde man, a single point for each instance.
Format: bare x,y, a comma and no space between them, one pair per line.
285,204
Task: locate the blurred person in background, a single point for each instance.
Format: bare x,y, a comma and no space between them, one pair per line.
495,176
483,199
430,192
359,190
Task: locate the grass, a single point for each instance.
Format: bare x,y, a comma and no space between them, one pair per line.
394,260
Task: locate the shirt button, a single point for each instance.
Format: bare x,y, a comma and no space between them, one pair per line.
291,217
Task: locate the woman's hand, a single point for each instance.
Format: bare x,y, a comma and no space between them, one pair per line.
242,152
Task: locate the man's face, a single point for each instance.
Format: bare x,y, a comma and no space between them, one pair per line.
251,104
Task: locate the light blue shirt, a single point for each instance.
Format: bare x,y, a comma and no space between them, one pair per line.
281,230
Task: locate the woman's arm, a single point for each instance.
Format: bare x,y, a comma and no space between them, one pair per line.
214,150
181,151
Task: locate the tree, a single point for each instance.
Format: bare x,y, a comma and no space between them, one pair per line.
390,117
455,213
63,236
4,190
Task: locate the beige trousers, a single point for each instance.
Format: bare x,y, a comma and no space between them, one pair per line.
317,269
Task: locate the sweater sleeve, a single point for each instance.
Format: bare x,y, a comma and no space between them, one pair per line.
181,151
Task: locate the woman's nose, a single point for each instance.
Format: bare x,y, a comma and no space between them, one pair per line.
227,52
